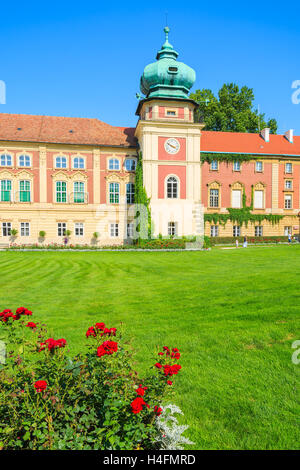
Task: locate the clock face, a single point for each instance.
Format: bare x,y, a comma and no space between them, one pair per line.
172,146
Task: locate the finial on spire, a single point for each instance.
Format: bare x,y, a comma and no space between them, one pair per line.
167,30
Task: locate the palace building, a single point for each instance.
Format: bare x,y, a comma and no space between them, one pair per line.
61,174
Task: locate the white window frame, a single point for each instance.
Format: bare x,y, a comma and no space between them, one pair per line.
172,229
61,228
213,197
26,159
6,227
79,229
239,206
61,192
214,166
236,230
4,158
288,186
6,181
112,164
172,180
287,231
132,162
288,165
59,162
114,230
130,230
258,231
256,168
25,229
79,160
288,197
130,193
214,230
262,199
236,165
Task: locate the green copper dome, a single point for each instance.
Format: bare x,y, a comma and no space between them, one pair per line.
167,78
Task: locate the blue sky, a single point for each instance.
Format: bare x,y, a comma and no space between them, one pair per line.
85,59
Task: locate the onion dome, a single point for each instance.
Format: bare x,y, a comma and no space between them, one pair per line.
167,78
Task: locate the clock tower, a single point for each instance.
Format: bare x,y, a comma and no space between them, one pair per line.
169,140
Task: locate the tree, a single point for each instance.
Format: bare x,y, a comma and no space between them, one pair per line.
231,111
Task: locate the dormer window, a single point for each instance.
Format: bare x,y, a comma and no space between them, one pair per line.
173,69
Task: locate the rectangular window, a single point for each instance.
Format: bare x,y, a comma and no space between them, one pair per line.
6,229
130,193
258,199
288,184
288,201
78,192
25,229
130,230
259,167
172,228
61,229
79,229
214,230
114,193
171,113
5,194
236,198
287,231
236,166
214,165
288,168
236,231
61,191
24,191
258,231
214,198
114,230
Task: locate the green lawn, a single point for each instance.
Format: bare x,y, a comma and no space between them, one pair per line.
232,313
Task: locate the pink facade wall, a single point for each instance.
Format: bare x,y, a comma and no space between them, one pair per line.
163,155
247,176
166,170
162,112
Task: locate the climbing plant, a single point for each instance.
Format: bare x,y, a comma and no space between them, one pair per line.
140,193
242,216
226,157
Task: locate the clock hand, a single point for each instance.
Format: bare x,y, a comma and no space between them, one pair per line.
173,146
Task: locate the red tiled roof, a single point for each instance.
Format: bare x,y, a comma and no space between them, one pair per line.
238,142
65,130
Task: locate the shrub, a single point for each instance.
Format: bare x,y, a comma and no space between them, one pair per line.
231,240
92,401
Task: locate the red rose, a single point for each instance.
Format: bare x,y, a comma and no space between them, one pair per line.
137,405
30,324
40,385
108,347
169,382
160,353
158,365
141,390
90,332
157,410
100,326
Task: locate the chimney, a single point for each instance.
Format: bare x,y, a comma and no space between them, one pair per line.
289,135
265,133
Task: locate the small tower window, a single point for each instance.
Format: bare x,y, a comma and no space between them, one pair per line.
172,188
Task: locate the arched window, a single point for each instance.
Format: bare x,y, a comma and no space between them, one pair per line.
114,193
24,160
24,191
130,193
129,164
172,187
5,160
78,162
113,164
5,192
60,162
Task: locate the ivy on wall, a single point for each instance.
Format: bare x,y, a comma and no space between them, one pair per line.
226,157
242,216
140,192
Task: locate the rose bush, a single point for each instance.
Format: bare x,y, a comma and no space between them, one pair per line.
92,401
